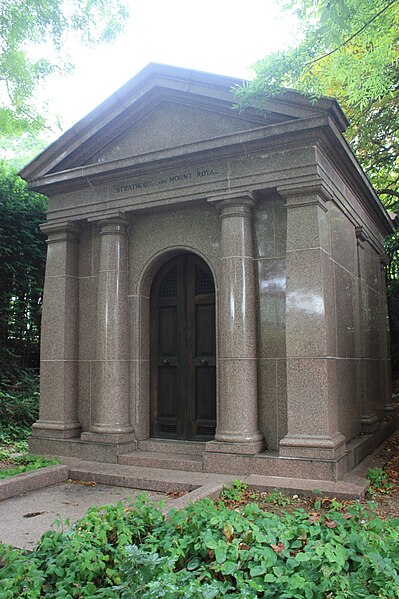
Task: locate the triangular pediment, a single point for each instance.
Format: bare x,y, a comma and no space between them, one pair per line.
174,123
163,108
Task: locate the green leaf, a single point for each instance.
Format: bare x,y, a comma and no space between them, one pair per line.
228,568
220,553
258,570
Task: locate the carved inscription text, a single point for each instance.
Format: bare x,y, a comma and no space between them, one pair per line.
169,179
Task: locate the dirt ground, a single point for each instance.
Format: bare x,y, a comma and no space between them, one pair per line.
384,499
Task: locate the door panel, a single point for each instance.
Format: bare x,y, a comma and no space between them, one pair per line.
183,350
205,409
167,331
205,323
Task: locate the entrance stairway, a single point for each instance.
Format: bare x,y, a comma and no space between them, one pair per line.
166,454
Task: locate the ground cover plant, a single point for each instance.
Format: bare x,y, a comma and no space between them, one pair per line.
19,408
209,550
11,464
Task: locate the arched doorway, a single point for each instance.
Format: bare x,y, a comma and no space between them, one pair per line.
183,350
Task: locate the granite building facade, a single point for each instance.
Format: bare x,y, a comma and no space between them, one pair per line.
215,295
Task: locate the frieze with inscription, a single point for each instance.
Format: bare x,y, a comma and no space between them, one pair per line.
200,174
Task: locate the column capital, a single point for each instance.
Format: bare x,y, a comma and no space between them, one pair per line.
115,225
361,235
57,232
241,205
306,194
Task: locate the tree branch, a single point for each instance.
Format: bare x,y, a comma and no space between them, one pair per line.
390,192
311,62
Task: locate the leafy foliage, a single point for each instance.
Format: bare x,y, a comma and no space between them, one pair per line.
348,50
22,260
25,463
19,409
19,151
45,27
209,551
234,491
378,481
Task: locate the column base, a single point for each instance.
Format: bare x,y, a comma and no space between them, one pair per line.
369,423
56,430
240,448
117,438
307,446
107,429
389,407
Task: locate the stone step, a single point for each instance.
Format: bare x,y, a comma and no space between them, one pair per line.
172,446
158,479
139,477
168,461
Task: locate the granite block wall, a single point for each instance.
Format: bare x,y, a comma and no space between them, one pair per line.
270,234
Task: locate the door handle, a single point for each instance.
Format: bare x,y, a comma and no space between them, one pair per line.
165,362
204,362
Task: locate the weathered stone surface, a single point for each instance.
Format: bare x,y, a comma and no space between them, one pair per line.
292,234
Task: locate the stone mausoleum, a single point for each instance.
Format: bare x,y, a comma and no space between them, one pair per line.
215,295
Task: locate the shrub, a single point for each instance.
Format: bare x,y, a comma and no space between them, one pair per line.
209,551
19,406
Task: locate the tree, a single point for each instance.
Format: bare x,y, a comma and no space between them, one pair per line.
349,49
22,260
45,28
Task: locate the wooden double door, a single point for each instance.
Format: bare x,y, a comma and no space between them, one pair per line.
183,350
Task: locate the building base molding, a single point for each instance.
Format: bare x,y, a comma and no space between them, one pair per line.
58,430
76,448
319,447
165,455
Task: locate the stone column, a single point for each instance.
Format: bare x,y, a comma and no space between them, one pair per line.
369,419
111,418
237,427
59,336
311,330
385,348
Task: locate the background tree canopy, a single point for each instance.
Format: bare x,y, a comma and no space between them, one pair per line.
349,49
34,37
33,44
22,258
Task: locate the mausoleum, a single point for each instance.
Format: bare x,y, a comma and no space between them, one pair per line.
215,295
